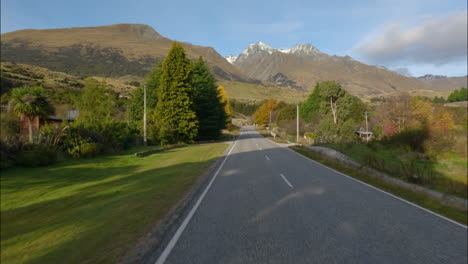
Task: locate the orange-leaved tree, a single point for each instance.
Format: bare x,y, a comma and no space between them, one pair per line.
262,115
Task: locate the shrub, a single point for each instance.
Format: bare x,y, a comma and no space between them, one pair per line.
88,150
8,152
9,126
34,155
413,138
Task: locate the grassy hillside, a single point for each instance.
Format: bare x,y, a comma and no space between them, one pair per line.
16,75
106,51
259,92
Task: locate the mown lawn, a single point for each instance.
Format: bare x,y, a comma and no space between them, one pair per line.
93,210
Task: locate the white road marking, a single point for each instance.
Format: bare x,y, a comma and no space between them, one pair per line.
375,188
162,258
286,180
267,157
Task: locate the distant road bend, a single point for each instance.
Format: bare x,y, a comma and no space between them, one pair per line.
268,204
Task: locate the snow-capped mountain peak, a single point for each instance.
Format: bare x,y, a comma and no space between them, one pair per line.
262,49
258,47
302,49
231,58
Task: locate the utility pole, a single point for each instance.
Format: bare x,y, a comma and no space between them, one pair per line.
144,116
269,124
297,124
367,129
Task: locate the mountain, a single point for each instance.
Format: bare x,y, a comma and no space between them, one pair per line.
438,82
303,65
231,58
432,77
107,51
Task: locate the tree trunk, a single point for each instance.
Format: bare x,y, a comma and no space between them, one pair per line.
333,108
30,130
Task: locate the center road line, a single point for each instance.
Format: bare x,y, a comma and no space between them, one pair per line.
286,180
267,157
162,258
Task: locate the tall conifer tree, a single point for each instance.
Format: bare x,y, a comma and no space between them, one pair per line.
175,118
209,108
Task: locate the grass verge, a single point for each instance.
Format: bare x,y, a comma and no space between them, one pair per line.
446,174
94,210
421,199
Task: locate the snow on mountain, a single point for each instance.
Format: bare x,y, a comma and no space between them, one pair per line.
231,58
302,50
258,47
261,48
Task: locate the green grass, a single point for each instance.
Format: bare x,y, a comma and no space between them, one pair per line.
446,174
93,210
259,92
410,195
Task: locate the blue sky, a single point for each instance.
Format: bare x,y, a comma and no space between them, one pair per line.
416,37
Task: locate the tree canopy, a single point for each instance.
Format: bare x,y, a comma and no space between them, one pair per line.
209,108
262,115
96,104
30,102
175,118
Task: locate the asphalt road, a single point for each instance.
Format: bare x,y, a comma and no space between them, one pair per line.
267,204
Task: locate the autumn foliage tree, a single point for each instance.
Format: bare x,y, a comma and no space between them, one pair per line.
262,115
225,101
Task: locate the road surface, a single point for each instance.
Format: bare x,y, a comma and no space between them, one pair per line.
267,204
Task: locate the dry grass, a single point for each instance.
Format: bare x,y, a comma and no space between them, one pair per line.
259,92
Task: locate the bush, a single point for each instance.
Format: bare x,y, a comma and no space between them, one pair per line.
8,152
34,155
88,150
413,138
9,126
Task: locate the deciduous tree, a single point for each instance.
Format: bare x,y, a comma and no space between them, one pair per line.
262,115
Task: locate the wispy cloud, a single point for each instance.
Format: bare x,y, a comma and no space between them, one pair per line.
437,41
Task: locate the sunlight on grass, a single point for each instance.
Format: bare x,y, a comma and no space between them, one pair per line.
100,206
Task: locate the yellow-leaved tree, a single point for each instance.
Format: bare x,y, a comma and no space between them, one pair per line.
262,115
225,100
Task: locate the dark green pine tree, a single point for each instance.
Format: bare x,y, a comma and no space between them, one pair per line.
174,116
207,104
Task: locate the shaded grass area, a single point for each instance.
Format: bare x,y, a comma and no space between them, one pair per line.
410,195
447,174
94,210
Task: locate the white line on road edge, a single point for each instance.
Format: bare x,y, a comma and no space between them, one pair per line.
375,188
267,157
286,180
162,258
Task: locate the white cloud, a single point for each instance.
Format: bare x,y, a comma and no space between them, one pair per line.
437,41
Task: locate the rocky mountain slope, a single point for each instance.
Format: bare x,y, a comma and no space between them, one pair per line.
108,51
303,65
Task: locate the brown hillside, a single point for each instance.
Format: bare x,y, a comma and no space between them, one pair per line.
358,78
115,50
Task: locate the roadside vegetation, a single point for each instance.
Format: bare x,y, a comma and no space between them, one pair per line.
419,198
94,210
184,104
414,139
77,184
